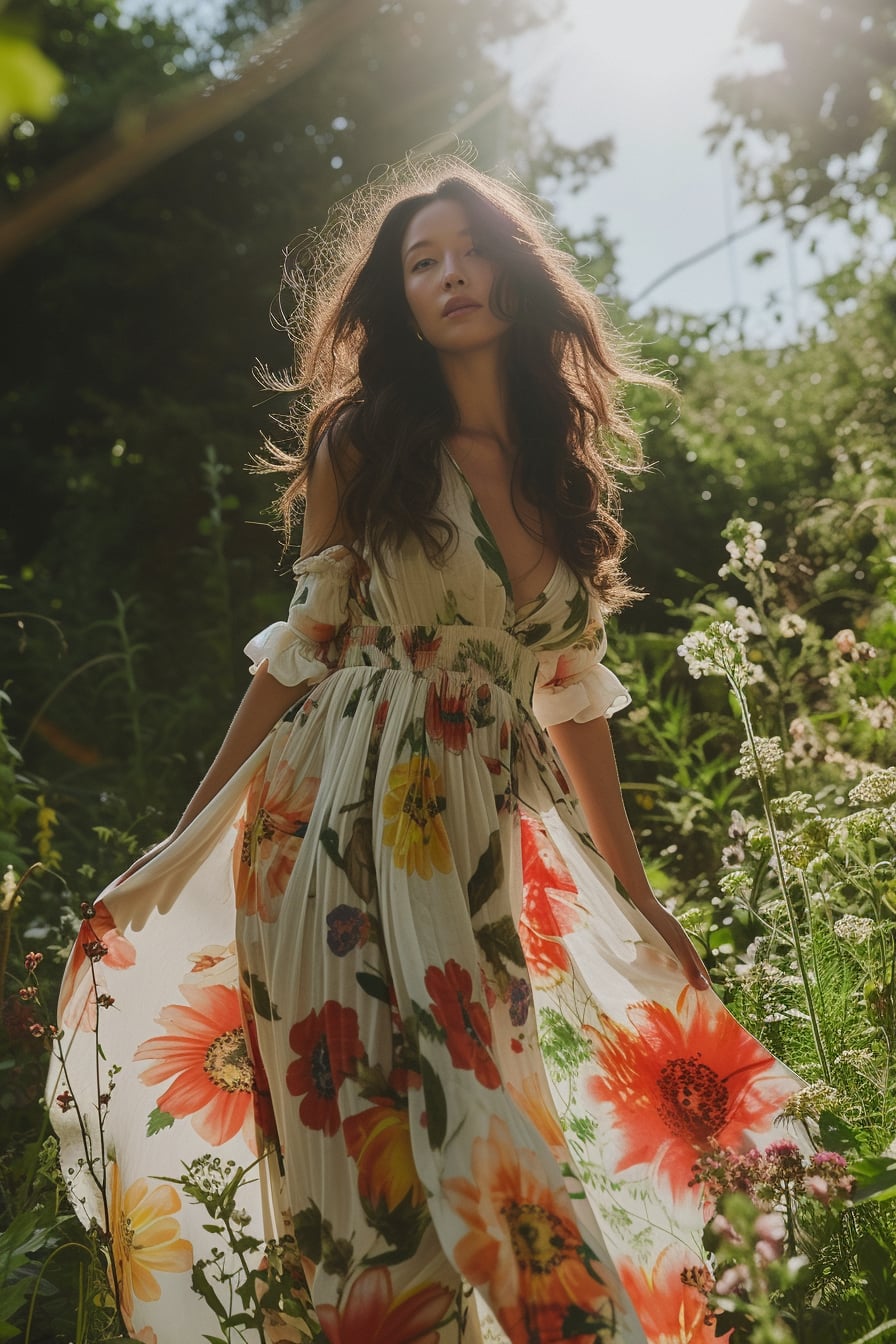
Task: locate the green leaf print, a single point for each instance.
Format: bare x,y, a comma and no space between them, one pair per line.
562,1044
487,548
374,986
500,942
533,634
578,610
330,842
436,1106
158,1120
308,1231
261,999
488,876
358,860
351,704
402,1227
336,1253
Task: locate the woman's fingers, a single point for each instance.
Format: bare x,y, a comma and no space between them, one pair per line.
693,968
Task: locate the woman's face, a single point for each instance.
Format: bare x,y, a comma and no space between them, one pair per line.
443,270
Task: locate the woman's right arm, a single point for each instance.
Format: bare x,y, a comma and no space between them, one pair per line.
266,699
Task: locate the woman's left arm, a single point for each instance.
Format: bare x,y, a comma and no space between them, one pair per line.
586,750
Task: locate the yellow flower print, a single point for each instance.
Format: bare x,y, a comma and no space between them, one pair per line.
145,1239
412,808
379,1139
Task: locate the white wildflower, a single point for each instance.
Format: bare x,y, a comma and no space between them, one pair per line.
878,787
854,1058
881,715
719,651
857,651
763,755
854,929
865,825
791,625
8,888
746,619
811,1101
745,545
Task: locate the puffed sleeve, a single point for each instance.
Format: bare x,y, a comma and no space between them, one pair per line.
304,647
572,683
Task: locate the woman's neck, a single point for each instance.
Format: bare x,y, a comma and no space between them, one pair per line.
477,385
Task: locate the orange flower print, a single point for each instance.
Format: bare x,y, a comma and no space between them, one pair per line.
671,1312
379,1140
374,1314
276,819
680,1081
205,1051
523,1247
412,808
145,1238
77,1000
465,1023
327,1044
533,1098
445,718
549,893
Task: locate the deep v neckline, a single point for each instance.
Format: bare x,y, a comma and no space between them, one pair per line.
487,531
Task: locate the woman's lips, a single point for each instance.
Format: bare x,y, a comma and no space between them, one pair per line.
467,308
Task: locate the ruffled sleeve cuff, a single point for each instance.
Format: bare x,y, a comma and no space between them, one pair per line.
598,693
573,685
305,647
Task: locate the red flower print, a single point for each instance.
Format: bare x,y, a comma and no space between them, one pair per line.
671,1312
549,901
446,718
373,1313
681,1081
327,1044
466,1023
205,1051
271,832
77,1002
523,1245
420,644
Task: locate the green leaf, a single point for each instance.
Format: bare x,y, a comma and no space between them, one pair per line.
158,1120
875,1179
29,82
488,876
436,1106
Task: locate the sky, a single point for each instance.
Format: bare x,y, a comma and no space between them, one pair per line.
642,71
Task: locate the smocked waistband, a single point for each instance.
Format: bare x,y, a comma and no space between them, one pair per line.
480,653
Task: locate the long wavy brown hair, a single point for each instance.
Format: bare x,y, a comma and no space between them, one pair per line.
363,377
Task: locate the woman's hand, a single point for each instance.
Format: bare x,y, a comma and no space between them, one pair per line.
670,929
145,858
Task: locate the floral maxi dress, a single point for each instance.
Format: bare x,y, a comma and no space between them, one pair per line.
387,966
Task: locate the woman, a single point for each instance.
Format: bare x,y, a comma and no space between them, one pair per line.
485,1054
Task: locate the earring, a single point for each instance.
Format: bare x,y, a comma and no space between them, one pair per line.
419,335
